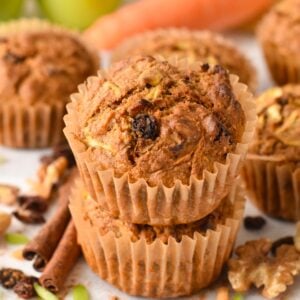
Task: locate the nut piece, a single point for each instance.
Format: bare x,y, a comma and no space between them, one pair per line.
8,194
255,266
5,220
49,176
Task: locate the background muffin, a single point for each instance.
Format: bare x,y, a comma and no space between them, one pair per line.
40,66
202,46
162,131
272,170
156,261
279,35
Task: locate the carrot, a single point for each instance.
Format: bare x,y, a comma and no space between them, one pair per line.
144,15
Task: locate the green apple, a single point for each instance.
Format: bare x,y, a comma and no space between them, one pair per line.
77,14
10,9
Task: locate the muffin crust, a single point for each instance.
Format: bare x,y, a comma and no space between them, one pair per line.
193,45
155,121
278,128
42,67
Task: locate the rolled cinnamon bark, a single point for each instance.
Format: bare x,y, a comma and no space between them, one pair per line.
62,261
42,246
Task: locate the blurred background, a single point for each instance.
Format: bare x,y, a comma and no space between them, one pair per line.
76,14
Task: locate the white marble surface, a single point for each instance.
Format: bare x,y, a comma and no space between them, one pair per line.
22,165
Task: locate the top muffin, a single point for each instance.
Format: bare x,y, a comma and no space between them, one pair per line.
281,27
203,46
42,66
278,127
156,121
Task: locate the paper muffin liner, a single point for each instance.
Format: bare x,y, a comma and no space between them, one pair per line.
39,125
156,269
284,66
274,186
137,202
121,51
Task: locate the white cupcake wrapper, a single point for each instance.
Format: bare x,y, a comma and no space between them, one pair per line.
157,269
274,186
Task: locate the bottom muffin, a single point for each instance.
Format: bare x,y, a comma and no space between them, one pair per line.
156,261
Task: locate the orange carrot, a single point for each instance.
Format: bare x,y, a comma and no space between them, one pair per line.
144,15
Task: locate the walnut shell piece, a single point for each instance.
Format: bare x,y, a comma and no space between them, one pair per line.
254,266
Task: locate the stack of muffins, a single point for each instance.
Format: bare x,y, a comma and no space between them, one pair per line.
159,145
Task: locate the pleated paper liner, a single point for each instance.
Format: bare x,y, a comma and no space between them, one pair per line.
32,126
39,125
274,186
160,205
284,66
155,269
124,50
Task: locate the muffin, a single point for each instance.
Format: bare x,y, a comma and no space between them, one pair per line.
156,261
204,46
279,35
40,66
272,169
160,143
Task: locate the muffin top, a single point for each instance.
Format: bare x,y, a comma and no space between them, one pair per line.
42,67
156,121
278,127
281,26
204,46
99,218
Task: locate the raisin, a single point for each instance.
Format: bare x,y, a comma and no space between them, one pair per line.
145,126
13,58
205,67
254,223
288,240
24,288
10,277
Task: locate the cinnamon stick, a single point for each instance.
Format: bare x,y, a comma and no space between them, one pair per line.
42,246
62,261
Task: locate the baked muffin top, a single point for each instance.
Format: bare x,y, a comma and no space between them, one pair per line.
156,121
42,67
281,26
204,46
99,218
278,127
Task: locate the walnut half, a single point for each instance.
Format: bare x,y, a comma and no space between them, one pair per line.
254,265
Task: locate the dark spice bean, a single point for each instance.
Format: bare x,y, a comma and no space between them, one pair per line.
24,288
254,223
10,277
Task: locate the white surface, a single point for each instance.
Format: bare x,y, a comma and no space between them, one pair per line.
22,165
